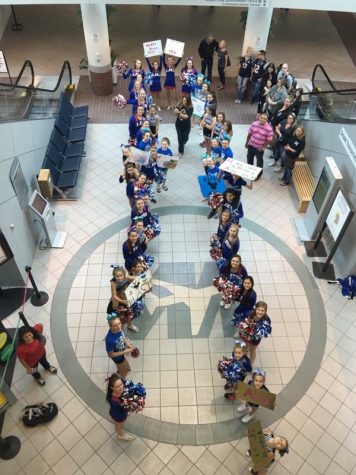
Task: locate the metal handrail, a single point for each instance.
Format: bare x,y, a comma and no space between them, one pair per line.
66,65
333,88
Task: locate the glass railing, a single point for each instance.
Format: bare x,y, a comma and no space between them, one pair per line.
330,101
23,99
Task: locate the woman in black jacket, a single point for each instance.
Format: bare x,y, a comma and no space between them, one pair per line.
291,152
184,111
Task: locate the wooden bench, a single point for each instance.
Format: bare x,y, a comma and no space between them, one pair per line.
304,184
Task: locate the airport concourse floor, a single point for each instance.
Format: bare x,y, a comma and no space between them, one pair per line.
188,426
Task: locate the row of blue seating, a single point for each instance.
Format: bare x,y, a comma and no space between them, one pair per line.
66,146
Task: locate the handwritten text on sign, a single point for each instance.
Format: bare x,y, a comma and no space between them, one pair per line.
174,47
138,156
258,450
152,48
198,106
248,393
242,169
138,287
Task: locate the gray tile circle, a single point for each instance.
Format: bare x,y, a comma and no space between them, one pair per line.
187,434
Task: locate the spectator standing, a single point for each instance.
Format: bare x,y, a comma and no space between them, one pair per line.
223,62
287,76
258,70
292,151
207,48
244,74
259,135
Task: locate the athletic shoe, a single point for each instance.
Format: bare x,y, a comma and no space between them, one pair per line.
222,303
227,306
41,381
126,437
230,396
277,170
237,334
247,418
242,408
272,164
52,370
227,386
132,328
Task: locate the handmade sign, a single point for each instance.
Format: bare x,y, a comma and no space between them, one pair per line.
242,169
198,106
165,161
138,156
210,184
152,48
3,65
138,287
249,393
258,450
174,47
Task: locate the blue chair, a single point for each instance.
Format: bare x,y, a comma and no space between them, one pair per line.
72,111
68,150
63,164
72,135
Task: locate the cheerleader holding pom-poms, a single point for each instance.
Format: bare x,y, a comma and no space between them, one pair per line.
227,248
118,345
229,281
247,303
118,303
151,223
124,397
155,83
170,81
133,72
255,327
230,201
235,369
188,77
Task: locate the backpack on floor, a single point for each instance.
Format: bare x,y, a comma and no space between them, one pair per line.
39,413
348,286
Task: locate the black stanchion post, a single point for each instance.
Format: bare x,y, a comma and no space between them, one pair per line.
38,298
15,26
9,447
24,319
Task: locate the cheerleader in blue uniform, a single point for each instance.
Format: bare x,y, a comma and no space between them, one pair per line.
188,77
145,127
247,299
255,327
161,177
133,72
155,82
236,183
131,175
224,225
228,200
235,369
131,250
151,226
222,251
139,228
145,144
229,281
170,81
135,122
226,132
218,125
134,95
249,408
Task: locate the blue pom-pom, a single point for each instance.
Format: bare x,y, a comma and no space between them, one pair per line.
149,260
148,78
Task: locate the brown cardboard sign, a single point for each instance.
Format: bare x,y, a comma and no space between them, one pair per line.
259,455
249,393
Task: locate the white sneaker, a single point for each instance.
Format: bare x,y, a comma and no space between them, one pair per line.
237,334
272,164
222,303
247,418
126,437
227,306
242,408
132,327
278,169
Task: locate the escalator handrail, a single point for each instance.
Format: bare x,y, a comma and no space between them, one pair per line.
333,88
16,83
66,65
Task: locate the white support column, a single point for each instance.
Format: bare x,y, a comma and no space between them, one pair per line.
96,34
257,28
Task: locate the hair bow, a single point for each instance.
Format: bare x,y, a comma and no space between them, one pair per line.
259,372
241,343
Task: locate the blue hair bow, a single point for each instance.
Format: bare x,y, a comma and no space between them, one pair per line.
259,372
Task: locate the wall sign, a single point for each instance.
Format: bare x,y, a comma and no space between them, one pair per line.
338,215
348,145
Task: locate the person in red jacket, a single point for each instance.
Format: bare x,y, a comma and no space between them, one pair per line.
31,351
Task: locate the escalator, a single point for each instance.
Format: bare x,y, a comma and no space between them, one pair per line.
32,97
329,101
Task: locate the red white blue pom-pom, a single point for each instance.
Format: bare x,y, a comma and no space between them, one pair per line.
215,200
119,101
122,67
134,397
232,370
135,353
125,314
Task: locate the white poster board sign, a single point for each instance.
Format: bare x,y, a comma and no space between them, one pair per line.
198,106
338,215
242,169
174,48
152,48
166,161
138,287
138,156
3,67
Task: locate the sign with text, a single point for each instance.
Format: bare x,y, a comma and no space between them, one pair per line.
152,48
348,145
242,169
256,439
198,106
3,65
338,215
138,156
174,48
249,393
165,161
138,287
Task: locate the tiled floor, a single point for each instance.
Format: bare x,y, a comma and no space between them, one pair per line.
183,386
177,368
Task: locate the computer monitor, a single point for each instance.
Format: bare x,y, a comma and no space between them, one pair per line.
37,203
321,190
5,250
